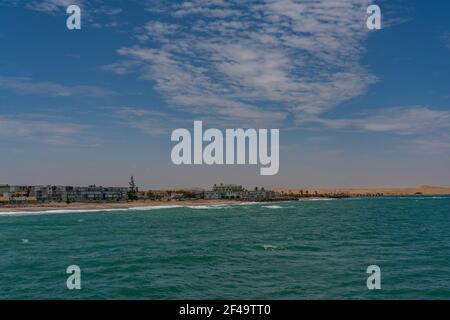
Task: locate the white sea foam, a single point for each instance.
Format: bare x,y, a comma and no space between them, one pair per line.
413,197
437,197
213,206
149,208
273,207
318,199
144,208
19,213
251,203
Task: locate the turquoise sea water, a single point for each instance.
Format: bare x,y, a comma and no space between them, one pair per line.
291,250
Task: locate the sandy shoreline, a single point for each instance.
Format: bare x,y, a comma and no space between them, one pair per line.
424,190
108,205
80,206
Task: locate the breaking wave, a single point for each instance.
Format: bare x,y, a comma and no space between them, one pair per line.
318,199
144,208
273,207
213,206
21,213
269,247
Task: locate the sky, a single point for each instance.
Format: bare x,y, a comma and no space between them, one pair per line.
355,107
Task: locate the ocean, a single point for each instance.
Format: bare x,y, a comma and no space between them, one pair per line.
291,250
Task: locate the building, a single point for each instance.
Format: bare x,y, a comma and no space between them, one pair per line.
260,195
20,194
227,191
238,192
16,194
95,193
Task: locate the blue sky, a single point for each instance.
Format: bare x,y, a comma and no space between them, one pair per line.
355,107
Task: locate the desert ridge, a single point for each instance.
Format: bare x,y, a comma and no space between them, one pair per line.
353,192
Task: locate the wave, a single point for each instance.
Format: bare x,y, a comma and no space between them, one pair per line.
144,208
251,203
212,206
388,197
21,213
318,199
149,208
273,207
431,197
269,247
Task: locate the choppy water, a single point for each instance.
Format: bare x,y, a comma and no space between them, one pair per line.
292,250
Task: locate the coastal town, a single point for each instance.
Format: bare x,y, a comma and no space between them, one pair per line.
22,195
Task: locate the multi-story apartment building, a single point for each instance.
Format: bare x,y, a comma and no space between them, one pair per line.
62,193
238,192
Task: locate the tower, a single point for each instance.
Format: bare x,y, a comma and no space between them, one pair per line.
132,191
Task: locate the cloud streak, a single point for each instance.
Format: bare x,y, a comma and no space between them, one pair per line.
426,130
249,59
399,120
51,6
95,13
38,130
148,121
26,86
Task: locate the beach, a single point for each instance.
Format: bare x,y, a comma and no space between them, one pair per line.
311,192
401,191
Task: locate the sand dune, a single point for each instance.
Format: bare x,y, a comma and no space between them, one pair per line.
425,190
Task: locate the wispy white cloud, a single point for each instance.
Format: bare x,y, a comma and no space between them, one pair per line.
108,10
121,67
400,120
95,13
163,122
157,30
60,6
26,86
212,9
148,121
434,144
424,129
249,58
41,130
51,6
446,40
